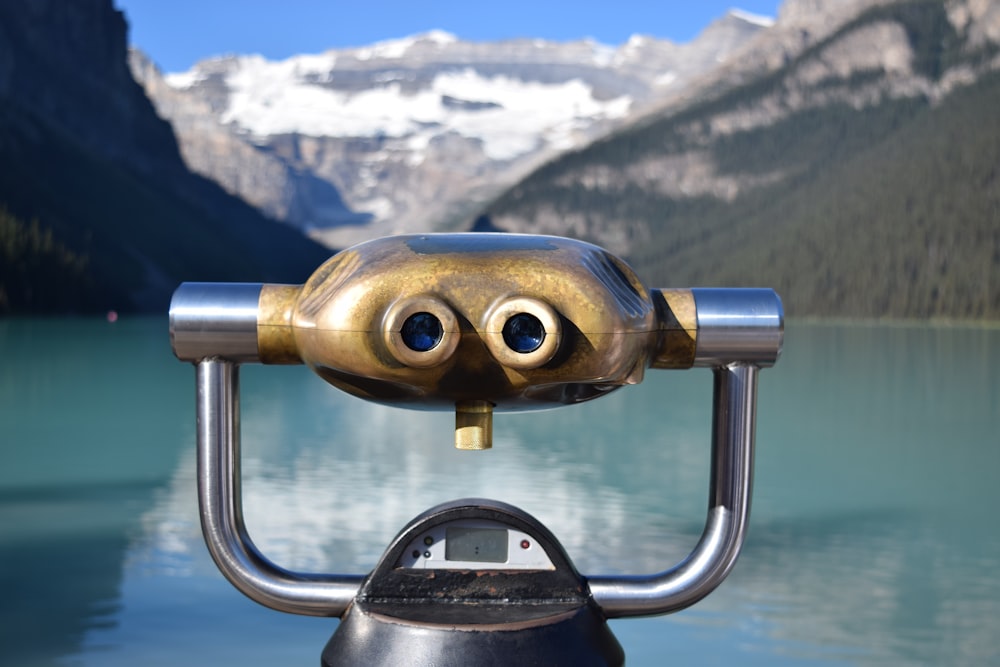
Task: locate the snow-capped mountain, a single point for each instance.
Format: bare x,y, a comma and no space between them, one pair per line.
414,134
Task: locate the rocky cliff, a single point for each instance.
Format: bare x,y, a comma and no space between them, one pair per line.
87,164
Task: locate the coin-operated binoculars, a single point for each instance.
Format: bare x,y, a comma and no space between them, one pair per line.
478,324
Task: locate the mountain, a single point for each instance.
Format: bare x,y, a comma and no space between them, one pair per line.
849,160
418,133
97,209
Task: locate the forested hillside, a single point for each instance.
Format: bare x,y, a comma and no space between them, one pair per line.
862,190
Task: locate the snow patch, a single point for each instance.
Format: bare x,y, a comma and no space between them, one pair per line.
636,42
756,19
316,65
271,98
394,49
184,80
604,55
665,79
441,37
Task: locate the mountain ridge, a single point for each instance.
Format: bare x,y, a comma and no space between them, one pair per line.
770,181
434,126
846,155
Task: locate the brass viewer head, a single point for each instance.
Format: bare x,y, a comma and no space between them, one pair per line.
475,323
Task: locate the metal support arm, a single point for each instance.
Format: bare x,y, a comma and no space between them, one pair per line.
734,398
222,509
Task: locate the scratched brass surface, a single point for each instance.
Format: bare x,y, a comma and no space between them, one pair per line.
275,337
677,316
602,327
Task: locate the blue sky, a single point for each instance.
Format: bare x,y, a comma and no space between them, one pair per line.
178,33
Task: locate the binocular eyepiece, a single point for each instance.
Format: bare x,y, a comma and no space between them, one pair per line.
476,323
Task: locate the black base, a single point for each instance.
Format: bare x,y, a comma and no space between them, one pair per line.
447,617
575,637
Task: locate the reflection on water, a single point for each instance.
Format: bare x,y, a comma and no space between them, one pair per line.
328,479
60,569
872,540
78,402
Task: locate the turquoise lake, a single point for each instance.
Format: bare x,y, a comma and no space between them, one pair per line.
874,537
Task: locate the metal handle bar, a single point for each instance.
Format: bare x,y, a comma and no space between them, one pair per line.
221,506
215,326
733,409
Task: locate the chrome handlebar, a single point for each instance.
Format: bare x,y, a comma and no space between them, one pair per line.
735,332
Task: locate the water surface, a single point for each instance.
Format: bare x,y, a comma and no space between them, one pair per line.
874,538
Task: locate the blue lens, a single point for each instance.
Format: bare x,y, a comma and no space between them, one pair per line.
523,333
421,332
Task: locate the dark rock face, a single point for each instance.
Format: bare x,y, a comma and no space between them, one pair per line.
68,65
83,152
